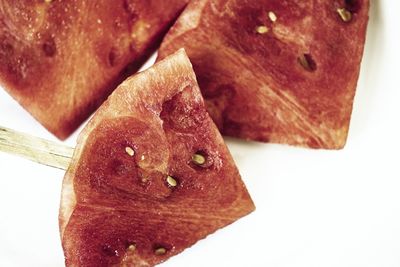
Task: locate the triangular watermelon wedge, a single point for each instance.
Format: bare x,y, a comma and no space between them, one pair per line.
281,71
61,59
151,174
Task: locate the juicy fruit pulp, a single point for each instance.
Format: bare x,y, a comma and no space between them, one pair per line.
282,71
135,195
61,59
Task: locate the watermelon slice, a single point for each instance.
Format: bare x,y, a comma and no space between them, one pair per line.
61,59
151,174
282,71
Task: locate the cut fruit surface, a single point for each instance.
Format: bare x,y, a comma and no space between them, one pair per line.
151,174
282,71
61,59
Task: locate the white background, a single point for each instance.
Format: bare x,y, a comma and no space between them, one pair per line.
314,208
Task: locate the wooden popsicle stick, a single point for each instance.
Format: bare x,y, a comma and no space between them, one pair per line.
36,149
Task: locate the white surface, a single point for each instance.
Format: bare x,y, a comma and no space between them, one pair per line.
314,208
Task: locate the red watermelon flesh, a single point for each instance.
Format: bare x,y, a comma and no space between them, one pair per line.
282,71
151,174
60,59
